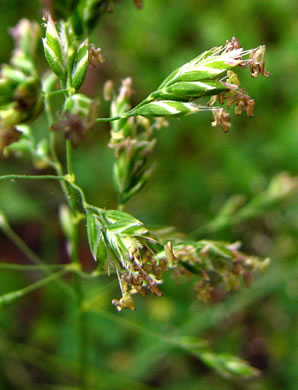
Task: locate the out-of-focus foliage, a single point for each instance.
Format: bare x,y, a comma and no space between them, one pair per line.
199,168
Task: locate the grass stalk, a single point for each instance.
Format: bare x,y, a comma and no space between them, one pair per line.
24,248
8,298
82,324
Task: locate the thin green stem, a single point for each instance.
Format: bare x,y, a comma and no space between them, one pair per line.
218,224
24,248
73,195
23,379
92,275
83,332
6,299
127,114
54,364
149,99
89,207
48,109
69,157
66,179
83,342
32,177
55,93
85,205
74,189
51,120
57,164
115,118
29,267
16,239
42,177
252,209
207,318
172,340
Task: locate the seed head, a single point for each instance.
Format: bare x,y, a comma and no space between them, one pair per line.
209,74
219,266
128,242
133,140
55,49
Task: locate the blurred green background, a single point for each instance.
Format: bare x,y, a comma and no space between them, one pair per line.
198,169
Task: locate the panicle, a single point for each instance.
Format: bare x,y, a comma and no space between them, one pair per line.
218,266
209,74
121,242
67,55
133,140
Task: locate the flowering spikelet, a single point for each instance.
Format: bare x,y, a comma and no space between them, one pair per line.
66,55
121,242
133,140
217,265
54,49
167,108
209,74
